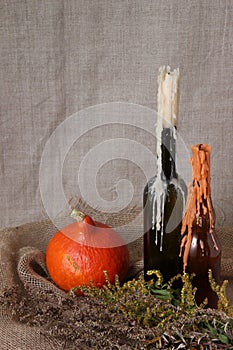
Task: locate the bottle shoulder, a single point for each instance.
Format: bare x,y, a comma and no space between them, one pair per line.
157,184
202,240
180,184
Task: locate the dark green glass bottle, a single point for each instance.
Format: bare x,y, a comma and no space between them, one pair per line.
164,203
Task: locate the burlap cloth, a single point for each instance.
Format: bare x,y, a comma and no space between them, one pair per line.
22,262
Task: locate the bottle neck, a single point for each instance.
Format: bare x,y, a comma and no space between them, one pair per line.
168,153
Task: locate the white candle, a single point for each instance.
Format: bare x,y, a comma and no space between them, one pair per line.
168,101
168,96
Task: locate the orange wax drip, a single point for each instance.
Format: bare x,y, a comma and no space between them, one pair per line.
198,199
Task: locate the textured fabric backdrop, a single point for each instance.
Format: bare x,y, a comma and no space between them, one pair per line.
59,58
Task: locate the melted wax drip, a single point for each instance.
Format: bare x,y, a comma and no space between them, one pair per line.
158,212
198,191
160,188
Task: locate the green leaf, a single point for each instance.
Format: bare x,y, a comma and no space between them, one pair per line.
223,338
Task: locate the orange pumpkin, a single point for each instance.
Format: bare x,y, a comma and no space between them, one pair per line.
81,252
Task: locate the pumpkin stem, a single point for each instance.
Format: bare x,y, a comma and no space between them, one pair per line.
81,217
77,215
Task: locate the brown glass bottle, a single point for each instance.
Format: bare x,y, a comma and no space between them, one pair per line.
200,247
163,202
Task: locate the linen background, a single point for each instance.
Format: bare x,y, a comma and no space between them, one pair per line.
61,57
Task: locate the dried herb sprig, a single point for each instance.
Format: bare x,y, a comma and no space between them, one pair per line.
137,314
174,317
